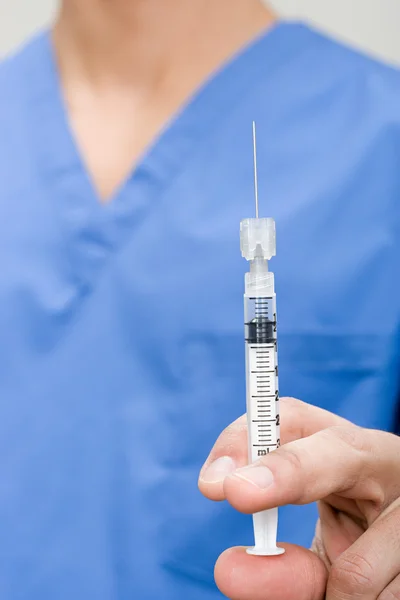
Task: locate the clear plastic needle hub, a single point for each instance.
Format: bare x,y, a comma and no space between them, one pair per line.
258,245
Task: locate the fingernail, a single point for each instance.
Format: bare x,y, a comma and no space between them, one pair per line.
218,470
261,477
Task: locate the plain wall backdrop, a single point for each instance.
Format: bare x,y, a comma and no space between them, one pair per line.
373,25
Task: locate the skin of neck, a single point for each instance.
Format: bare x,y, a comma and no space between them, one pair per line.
142,43
126,67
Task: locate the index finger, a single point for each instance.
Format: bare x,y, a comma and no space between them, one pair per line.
356,463
230,452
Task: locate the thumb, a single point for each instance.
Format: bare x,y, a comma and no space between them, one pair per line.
296,574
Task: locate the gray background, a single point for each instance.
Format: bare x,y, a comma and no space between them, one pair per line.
372,25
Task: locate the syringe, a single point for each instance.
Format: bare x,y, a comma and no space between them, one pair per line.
258,245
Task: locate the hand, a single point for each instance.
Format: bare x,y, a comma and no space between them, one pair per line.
353,473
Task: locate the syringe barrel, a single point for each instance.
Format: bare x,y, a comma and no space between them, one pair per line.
260,319
262,382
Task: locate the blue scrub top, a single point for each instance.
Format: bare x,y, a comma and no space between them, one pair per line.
121,326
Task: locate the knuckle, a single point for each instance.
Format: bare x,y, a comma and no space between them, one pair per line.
364,475
291,457
292,406
290,469
288,401
234,437
350,435
351,575
230,435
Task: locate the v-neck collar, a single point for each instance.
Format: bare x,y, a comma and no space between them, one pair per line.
96,226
